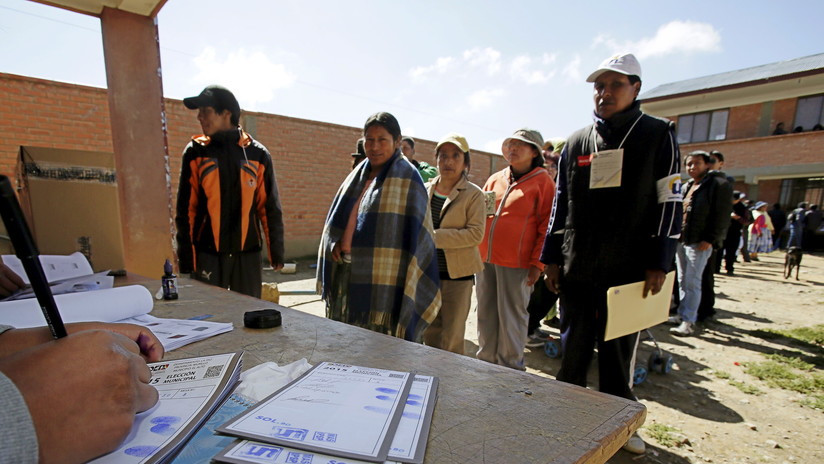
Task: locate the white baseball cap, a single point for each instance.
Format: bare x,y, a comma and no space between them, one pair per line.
624,64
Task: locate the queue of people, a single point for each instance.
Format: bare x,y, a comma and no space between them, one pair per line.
405,242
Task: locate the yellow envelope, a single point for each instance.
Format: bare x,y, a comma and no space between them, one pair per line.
629,312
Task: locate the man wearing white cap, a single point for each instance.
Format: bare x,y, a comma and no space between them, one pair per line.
616,220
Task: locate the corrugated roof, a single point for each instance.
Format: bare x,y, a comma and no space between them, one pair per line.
756,73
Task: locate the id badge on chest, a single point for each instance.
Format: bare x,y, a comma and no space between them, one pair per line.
606,167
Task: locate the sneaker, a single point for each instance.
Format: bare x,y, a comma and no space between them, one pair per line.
538,338
684,330
555,323
635,445
674,320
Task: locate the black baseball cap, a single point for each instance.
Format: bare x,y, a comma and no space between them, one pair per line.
217,97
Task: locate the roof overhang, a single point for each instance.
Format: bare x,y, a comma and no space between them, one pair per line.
148,8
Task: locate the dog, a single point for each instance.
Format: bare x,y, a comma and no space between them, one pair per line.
792,260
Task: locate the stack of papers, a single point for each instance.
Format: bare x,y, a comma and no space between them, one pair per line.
174,333
337,411
190,391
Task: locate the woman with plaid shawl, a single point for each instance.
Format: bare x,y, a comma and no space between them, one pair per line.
377,266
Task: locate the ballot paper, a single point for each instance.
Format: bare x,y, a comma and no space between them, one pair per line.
335,409
56,267
174,333
629,312
108,305
190,390
85,283
247,451
408,444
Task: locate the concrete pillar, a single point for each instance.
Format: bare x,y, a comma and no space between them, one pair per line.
138,119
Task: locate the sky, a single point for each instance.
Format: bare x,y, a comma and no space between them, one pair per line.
481,68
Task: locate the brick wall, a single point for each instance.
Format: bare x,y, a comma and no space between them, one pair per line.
743,121
311,158
784,111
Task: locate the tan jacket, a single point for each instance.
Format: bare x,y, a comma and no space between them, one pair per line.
463,219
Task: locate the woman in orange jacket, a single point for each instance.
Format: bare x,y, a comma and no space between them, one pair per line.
515,232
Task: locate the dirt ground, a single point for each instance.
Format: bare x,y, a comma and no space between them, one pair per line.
716,422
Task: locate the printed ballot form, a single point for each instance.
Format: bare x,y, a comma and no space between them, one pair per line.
333,408
408,444
190,390
629,312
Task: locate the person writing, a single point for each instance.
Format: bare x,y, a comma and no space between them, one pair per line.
73,399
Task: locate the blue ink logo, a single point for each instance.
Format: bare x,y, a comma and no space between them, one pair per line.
289,433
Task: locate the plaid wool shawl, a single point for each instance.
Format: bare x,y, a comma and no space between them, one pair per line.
394,287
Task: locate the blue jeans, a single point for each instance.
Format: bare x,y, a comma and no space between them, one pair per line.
691,262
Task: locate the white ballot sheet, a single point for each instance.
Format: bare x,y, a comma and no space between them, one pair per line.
86,283
174,333
409,442
255,452
629,312
107,305
333,408
56,267
190,390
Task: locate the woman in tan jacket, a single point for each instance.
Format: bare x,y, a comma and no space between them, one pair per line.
459,218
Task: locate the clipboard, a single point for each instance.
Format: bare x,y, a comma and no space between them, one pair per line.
629,312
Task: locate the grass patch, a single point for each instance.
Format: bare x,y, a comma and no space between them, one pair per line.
746,388
790,373
664,435
721,375
811,336
814,402
780,375
796,363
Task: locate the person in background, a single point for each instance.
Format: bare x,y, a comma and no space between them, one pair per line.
706,308
542,301
738,220
812,222
779,129
796,224
511,247
73,399
760,231
377,266
779,220
228,205
459,218
611,228
359,154
707,207
424,169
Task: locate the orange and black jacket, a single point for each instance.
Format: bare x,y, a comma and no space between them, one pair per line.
227,202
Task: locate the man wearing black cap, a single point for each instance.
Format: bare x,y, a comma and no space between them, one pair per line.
615,220
227,202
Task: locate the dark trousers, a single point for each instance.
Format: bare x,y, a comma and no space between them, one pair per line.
730,247
582,328
706,308
540,302
745,248
239,272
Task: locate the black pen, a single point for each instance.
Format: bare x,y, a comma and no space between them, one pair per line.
26,251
